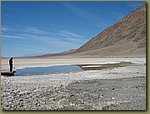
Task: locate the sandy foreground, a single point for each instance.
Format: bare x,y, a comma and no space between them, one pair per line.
121,88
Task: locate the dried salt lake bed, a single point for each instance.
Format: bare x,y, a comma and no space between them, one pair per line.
118,88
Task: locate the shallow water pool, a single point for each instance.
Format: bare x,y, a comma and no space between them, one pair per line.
48,70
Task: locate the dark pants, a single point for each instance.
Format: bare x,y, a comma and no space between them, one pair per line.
11,68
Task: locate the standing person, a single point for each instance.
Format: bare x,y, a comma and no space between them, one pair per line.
11,64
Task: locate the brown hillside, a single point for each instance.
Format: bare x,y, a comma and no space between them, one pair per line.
125,38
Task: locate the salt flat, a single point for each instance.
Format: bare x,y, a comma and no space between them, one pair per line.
41,62
122,88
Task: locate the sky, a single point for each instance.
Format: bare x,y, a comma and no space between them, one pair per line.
36,28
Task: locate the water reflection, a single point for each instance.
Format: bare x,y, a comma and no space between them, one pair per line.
48,70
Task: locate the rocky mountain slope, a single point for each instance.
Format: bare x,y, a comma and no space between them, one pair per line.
126,38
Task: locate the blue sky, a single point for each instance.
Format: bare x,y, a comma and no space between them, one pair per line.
33,28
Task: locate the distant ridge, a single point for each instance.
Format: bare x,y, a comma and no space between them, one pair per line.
59,54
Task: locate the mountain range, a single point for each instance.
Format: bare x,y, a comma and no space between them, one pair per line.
126,38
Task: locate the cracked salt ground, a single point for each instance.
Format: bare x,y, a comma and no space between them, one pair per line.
82,95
